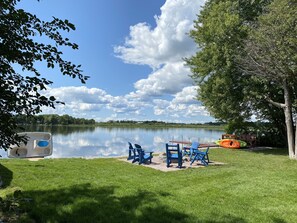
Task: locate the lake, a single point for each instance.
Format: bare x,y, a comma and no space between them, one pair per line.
94,142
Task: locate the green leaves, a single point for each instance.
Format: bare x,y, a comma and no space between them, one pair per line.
248,48
20,92
221,31
272,45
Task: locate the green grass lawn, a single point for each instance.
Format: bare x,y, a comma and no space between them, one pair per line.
250,187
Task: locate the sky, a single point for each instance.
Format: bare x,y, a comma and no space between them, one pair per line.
133,51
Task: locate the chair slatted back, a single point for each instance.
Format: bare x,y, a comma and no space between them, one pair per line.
173,152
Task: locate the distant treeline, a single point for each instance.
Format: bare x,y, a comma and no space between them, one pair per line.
53,120
69,120
159,123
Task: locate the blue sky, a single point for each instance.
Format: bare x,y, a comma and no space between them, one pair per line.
133,51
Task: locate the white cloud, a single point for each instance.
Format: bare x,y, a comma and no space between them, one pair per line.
163,48
168,41
80,94
90,102
160,106
183,105
169,79
120,104
78,100
188,95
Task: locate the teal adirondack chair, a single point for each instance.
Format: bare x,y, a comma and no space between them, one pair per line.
202,156
191,151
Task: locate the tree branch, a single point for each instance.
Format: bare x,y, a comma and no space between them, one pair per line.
277,104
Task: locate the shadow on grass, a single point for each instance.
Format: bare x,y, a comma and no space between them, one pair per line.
5,176
83,203
269,151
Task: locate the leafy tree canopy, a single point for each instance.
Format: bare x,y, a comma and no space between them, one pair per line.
220,32
269,57
20,46
247,61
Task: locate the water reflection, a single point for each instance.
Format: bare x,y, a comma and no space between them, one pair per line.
92,142
61,130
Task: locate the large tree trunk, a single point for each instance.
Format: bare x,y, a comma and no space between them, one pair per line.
287,106
295,152
289,120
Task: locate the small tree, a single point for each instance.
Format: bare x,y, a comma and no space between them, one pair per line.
270,57
20,92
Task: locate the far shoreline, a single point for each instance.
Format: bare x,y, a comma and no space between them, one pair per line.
134,125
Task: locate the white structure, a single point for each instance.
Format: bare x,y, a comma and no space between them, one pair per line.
40,144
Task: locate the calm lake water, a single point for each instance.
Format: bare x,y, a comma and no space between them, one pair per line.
94,142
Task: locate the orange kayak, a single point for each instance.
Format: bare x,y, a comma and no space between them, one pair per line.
230,143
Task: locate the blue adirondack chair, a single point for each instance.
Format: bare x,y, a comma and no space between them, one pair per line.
194,149
173,152
202,156
130,155
143,155
133,155
191,151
